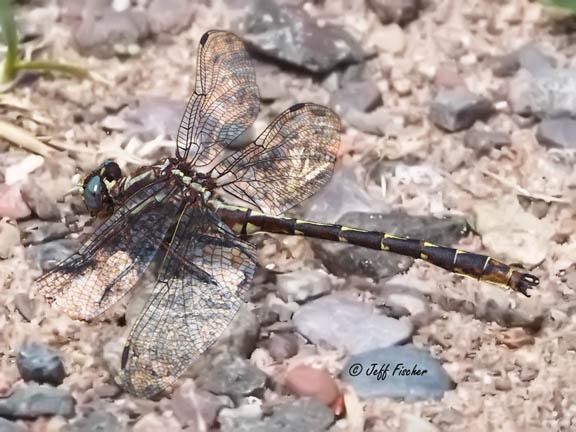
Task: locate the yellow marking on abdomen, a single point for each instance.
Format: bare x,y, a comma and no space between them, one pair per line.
251,228
348,229
305,222
392,236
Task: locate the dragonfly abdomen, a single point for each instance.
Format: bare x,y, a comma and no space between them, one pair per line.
481,267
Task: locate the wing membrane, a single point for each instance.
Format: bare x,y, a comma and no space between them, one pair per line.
198,293
290,161
112,260
225,102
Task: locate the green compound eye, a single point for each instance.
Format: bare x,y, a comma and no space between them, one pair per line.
93,193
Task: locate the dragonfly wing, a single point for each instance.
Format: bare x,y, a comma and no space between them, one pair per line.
112,260
289,162
225,101
197,294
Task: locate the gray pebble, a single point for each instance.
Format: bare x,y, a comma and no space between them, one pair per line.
338,321
35,401
557,132
458,109
40,363
234,378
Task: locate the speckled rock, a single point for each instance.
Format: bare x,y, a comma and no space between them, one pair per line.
234,378
288,34
549,93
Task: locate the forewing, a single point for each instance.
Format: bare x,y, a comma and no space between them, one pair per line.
112,260
290,161
225,102
198,293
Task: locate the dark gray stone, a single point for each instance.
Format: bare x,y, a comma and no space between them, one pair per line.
288,34
36,232
96,421
528,57
35,401
398,11
549,93
484,141
557,132
458,108
234,378
47,255
407,373
40,363
304,414
344,260
361,95
339,321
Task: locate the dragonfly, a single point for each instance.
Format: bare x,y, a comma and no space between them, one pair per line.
176,211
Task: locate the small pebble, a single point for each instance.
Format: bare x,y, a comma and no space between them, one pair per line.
305,380
515,338
391,39
457,109
282,346
40,363
557,132
398,11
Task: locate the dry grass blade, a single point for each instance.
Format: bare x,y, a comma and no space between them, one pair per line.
72,147
523,192
23,138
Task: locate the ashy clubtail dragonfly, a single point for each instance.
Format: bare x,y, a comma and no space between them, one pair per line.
175,208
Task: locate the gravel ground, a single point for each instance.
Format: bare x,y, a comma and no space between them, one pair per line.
451,109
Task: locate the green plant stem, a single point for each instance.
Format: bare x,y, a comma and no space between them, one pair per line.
52,66
9,30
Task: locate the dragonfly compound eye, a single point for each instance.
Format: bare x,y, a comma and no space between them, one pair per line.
93,193
110,171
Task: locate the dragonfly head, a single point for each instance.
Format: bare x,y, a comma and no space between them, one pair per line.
97,185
